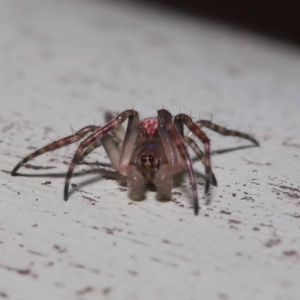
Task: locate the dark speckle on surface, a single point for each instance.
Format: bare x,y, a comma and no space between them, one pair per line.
3,295
272,242
133,273
19,271
46,183
225,212
290,253
84,291
106,290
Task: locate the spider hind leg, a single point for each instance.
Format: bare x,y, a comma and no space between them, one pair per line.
226,132
78,135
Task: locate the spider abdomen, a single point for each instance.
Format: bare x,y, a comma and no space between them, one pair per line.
149,126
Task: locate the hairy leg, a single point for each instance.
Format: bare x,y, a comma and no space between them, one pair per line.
200,155
98,134
111,146
119,131
183,119
225,131
117,135
55,145
129,141
171,138
89,149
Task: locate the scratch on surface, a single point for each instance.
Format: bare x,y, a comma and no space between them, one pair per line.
10,189
36,253
290,192
90,199
121,237
19,271
82,267
150,212
158,260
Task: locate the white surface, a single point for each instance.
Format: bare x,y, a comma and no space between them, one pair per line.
66,62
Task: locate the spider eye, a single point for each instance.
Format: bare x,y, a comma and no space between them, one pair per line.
150,158
144,158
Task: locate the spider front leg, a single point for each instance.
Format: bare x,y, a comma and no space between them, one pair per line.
128,145
181,119
179,125
117,135
200,155
173,144
55,145
111,146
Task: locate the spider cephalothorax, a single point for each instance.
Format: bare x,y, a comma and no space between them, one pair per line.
151,152
148,159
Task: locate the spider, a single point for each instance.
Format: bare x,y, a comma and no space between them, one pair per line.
150,153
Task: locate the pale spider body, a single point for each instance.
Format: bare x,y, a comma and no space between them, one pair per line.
150,154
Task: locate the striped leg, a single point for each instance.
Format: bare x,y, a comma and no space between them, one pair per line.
128,145
171,138
225,131
117,134
98,143
200,155
183,119
55,145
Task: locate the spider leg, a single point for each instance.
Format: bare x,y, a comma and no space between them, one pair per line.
99,134
181,119
111,150
55,145
98,143
117,134
165,121
171,138
129,141
119,131
90,148
225,131
200,155
194,146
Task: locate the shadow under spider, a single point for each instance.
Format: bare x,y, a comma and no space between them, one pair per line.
113,175
221,151
110,174
102,174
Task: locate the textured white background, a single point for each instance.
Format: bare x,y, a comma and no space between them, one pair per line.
62,65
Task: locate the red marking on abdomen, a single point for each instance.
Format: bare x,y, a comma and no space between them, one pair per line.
149,125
